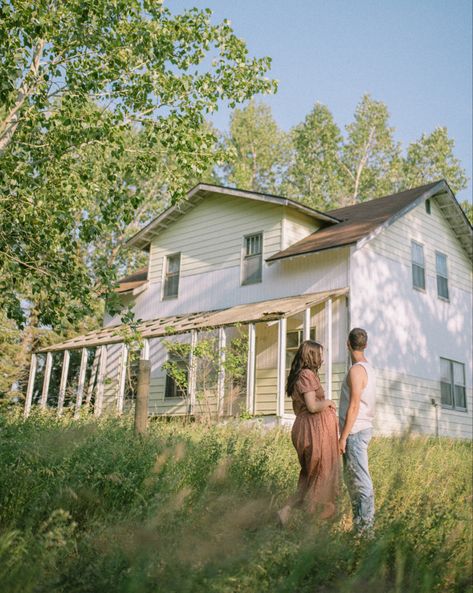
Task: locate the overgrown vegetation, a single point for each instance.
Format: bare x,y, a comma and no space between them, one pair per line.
86,506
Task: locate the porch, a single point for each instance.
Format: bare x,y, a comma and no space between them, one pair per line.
93,371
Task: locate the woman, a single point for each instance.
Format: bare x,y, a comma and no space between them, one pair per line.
314,436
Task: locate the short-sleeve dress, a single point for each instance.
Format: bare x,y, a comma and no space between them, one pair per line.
315,438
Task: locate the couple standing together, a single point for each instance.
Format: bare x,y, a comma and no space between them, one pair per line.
320,439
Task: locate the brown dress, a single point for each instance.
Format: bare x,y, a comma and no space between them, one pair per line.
315,438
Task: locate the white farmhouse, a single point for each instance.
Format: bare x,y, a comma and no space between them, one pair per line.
240,263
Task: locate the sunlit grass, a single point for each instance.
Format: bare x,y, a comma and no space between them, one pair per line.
86,506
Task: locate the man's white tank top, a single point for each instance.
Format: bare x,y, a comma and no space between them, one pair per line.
367,403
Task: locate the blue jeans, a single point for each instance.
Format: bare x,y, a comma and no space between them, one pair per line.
358,479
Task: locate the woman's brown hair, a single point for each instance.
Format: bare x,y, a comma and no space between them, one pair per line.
309,356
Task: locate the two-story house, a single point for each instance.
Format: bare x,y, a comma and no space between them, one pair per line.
276,272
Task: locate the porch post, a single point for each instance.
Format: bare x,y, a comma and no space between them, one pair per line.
81,381
281,384
63,384
29,389
328,364
100,381
222,341
122,379
46,379
192,373
306,326
251,369
145,350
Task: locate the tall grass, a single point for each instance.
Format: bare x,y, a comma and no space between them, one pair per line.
87,507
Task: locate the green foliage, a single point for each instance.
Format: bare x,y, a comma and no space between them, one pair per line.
468,210
257,151
86,506
102,105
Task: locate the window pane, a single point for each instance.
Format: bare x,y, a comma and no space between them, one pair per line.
446,394
418,276
252,269
171,285
173,264
441,264
459,373
460,397
312,334
445,371
417,254
442,287
253,245
292,340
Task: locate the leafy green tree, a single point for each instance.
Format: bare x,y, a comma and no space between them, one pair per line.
316,174
96,97
257,150
468,210
369,155
430,158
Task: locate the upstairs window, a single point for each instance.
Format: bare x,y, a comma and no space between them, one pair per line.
175,384
252,264
452,385
293,340
418,266
172,267
442,275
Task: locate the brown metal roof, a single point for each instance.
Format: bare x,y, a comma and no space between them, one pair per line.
358,221
249,313
132,281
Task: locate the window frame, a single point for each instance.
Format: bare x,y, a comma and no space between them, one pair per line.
413,263
300,339
452,385
437,275
166,276
245,257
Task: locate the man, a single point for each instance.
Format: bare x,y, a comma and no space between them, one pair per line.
357,405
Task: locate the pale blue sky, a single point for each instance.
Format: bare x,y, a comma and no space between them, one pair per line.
415,55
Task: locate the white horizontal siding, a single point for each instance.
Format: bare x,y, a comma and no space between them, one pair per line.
296,226
435,234
210,236
403,403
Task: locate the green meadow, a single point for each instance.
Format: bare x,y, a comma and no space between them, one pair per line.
86,506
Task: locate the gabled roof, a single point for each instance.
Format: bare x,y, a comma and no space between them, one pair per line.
363,221
143,238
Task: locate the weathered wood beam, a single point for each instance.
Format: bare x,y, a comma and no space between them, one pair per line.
63,384
30,388
192,382
281,382
46,380
100,381
222,342
122,379
306,325
81,381
251,369
328,348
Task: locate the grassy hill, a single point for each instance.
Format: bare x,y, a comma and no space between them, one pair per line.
87,507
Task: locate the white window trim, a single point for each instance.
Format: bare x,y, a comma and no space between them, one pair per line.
442,298
242,257
424,290
163,275
452,384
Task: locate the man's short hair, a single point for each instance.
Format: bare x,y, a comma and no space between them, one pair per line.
358,338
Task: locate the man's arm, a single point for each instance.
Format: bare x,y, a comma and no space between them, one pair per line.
356,382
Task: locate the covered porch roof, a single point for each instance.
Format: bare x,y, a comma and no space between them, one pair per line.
262,311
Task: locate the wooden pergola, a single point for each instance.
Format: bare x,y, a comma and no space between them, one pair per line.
274,310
